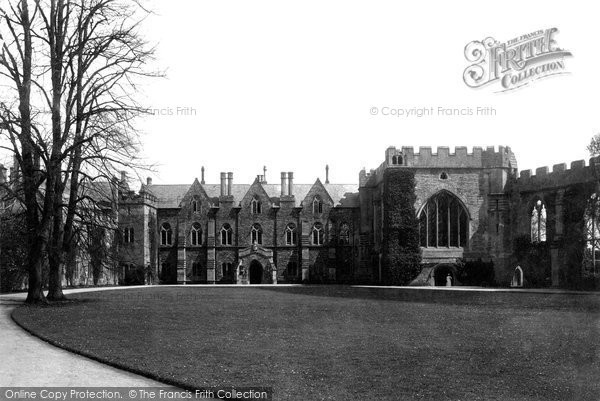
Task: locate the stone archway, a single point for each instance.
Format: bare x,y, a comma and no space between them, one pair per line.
441,273
256,266
255,274
517,279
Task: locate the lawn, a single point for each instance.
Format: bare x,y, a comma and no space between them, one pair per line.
340,343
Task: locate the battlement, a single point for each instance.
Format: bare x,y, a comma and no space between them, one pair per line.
560,175
141,197
461,158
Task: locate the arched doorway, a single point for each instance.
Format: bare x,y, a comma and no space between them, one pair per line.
256,272
517,280
441,273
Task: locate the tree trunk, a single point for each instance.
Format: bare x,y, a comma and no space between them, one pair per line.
56,41
55,259
36,232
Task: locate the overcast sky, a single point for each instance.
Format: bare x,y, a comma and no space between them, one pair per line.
290,85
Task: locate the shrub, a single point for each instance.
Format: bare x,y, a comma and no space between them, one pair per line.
13,253
476,273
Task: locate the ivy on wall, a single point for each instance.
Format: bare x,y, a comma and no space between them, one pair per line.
572,243
401,249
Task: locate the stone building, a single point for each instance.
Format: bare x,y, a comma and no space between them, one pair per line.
470,207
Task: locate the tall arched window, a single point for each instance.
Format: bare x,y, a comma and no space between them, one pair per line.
591,254
226,234
317,205
291,237
196,234
443,222
538,222
196,208
256,234
166,234
317,234
255,206
344,234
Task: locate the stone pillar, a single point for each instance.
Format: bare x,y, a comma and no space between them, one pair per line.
181,259
304,238
555,265
305,265
331,273
210,274
211,253
556,262
273,271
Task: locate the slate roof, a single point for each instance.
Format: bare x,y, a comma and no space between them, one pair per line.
169,196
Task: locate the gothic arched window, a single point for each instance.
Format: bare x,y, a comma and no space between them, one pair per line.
397,159
317,205
291,237
344,234
256,234
443,222
196,234
166,234
226,235
255,206
591,253
196,208
317,234
538,222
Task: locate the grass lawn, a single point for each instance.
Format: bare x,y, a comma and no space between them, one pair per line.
340,343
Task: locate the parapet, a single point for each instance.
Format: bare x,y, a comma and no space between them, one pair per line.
444,158
560,176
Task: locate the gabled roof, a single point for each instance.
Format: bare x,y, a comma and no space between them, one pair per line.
170,196
194,189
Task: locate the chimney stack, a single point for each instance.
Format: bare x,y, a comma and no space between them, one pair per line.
229,183
149,181
327,174
123,177
290,183
2,174
202,182
223,179
283,183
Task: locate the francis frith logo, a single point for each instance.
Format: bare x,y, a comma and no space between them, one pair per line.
516,62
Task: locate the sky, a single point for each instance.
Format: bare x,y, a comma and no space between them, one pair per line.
291,85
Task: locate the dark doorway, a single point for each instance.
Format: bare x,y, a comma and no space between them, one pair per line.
256,272
441,273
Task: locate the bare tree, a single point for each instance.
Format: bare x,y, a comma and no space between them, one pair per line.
17,123
93,54
106,56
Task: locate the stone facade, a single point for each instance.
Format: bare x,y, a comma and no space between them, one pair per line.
471,206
